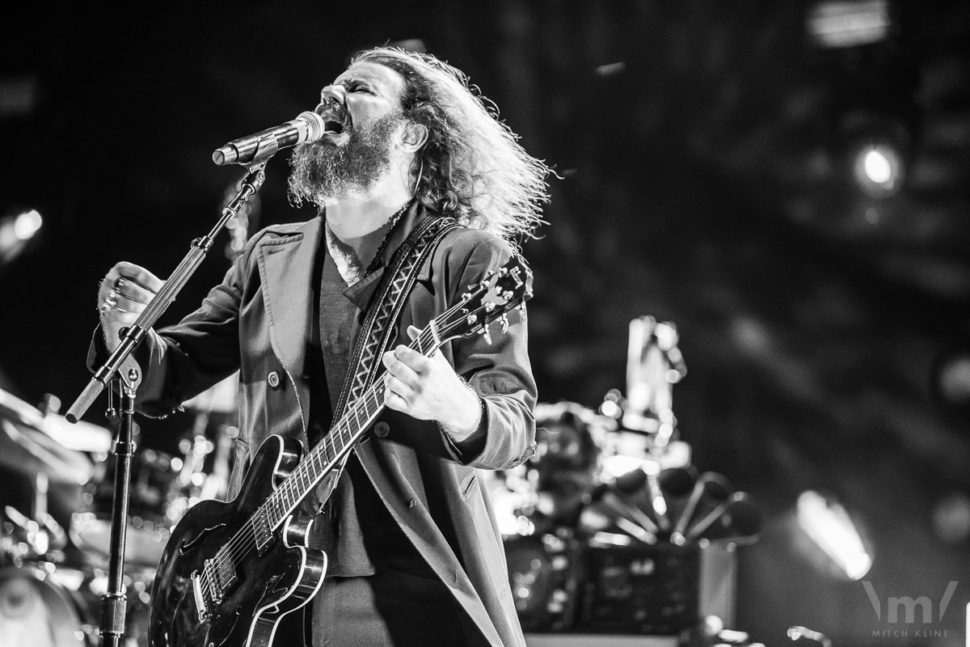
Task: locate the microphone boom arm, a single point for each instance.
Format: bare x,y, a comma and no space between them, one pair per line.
166,294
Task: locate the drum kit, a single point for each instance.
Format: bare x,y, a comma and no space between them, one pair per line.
604,524
56,518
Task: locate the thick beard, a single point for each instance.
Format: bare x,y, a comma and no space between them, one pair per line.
321,172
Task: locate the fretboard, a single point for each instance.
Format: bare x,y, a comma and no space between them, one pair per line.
328,453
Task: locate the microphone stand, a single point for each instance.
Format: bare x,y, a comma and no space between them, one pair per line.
123,373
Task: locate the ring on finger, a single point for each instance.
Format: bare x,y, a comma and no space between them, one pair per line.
119,283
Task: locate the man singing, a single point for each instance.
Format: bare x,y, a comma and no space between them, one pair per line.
415,556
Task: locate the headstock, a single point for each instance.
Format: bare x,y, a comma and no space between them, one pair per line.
502,290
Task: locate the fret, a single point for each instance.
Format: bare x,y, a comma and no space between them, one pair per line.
342,440
311,467
287,495
272,510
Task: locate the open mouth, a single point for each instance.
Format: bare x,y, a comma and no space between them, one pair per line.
333,127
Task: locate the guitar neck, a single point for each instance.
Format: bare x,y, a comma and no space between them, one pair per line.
331,450
484,302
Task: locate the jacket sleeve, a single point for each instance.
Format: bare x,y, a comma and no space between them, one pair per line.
500,371
181,361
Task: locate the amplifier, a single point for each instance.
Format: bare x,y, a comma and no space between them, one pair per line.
640,590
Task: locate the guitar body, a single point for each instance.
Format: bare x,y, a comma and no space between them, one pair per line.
267,584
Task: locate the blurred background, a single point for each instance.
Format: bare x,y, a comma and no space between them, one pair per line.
785,181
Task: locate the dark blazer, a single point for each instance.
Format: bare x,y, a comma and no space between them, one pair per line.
257,321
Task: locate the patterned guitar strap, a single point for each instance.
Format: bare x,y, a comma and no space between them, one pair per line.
378,329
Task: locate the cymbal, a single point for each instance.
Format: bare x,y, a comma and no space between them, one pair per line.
81,436
13,408
30,451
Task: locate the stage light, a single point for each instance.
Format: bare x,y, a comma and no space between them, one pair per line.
829,525
27,224
950,378
841,23
875,149
16,232
878,169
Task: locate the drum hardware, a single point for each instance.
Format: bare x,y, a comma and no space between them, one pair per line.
47,598
152,492
29,451
35,611
544,577
644,523
710,491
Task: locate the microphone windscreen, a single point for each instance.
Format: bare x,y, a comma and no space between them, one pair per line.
741,519
710,490
315,125
677,481
631,481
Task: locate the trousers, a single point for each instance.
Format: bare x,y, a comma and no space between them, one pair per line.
389,609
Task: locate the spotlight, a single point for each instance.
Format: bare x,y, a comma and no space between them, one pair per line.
878,169
875,150
16,232
829,525
950,377
843,23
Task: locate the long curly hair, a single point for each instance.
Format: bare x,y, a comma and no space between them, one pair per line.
472,166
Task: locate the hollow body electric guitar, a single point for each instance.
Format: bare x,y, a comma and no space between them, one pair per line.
231,571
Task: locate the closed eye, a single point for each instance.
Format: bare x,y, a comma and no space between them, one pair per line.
359,87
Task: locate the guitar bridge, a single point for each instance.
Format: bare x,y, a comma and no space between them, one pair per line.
200,604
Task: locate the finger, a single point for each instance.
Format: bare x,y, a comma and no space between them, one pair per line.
138,274
412,359
131,290
124,304
400,370
399,388
394,401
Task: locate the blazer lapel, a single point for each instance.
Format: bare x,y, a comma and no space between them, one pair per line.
286,268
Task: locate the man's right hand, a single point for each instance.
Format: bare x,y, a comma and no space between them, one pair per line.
124,292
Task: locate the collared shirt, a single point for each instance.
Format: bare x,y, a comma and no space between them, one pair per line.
357,531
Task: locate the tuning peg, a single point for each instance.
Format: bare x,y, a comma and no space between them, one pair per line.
487,279
487,334
505,322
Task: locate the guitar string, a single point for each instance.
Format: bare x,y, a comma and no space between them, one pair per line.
243,542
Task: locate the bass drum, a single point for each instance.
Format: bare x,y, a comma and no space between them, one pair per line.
37,612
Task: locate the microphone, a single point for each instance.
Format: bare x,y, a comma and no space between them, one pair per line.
710,490
739,523
307,127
